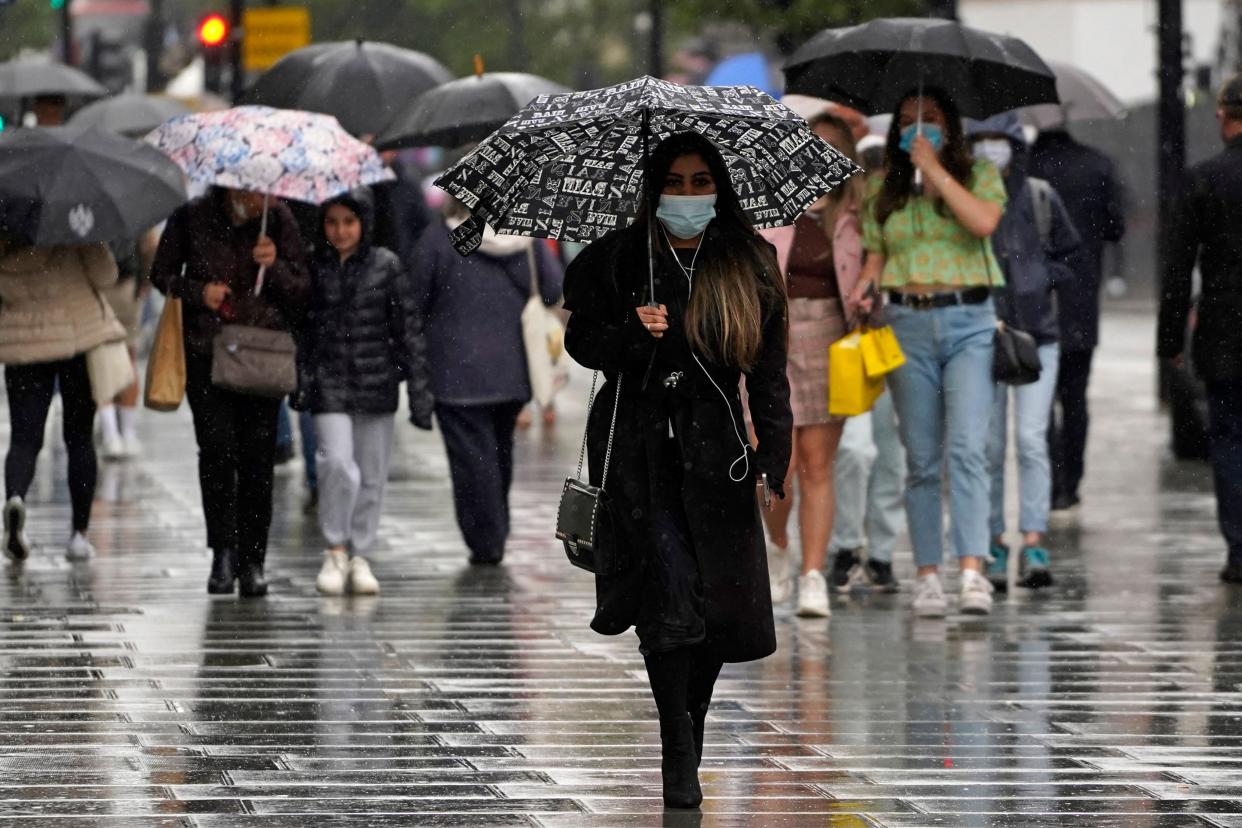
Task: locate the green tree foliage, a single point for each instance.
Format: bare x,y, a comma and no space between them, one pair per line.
799,19
27,24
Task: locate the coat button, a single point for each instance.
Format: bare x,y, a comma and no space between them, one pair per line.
637,514
688,465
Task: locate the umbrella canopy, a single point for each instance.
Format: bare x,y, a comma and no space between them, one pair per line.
362,84
465,110
129,114
29,78
571,166
1083,98
873,66
299,155
64,185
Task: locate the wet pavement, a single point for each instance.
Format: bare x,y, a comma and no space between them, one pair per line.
480,698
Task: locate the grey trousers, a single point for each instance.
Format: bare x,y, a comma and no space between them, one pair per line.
352,457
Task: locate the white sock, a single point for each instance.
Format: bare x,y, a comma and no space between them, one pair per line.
128,416
108,423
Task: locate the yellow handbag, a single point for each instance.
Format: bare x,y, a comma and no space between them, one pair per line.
881,352
851,390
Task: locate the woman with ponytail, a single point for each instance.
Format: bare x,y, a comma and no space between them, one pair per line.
689,569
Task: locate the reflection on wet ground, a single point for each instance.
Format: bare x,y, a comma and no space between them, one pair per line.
480,698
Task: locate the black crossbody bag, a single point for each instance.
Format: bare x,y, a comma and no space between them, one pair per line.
582,517
1015,353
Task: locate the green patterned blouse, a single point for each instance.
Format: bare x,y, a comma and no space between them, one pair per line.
922,247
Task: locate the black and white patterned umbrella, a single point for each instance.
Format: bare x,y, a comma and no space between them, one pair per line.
571,166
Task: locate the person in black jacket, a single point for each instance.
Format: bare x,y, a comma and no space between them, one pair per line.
361,338
690,569
1034,244
1208,229
1086,180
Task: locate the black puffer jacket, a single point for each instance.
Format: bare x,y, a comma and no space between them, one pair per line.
362,336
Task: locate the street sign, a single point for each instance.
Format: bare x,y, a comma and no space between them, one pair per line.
270,33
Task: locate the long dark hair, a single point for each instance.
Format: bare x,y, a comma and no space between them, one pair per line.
738,274
899,179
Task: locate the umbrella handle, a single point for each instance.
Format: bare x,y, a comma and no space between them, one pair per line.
258,282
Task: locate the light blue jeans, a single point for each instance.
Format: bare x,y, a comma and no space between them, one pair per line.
870,476
943,396
1032,406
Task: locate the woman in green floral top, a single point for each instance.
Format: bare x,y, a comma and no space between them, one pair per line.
927,248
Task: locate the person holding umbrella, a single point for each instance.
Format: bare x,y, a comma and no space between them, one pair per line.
928,248
209,258
684,471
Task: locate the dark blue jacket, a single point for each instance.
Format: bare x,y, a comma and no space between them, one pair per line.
472,309
1087,182
1033,271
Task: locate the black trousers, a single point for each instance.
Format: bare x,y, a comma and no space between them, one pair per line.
30,389
1067,428
236,436
1225,428
479,443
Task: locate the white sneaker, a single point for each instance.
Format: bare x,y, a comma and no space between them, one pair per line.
976,597
780,573
333,573
361,581
114,448
929,600
813,595
133,447
16,544
79,548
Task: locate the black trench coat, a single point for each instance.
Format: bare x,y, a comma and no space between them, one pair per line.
603,286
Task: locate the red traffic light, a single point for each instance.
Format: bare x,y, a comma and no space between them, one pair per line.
213,31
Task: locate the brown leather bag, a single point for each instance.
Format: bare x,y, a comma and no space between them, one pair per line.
258,361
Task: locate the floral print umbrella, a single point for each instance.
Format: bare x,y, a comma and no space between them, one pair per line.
282,152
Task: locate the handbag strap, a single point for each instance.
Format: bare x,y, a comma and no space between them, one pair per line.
612,430
534,270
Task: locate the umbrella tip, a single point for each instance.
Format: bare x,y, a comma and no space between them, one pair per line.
478,66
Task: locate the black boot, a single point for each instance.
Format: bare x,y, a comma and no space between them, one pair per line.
251,582
223,572
699,719
679,767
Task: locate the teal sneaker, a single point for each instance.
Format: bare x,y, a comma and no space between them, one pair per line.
1033,572
998,566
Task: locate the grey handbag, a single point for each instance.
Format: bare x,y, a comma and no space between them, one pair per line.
258,361
583,516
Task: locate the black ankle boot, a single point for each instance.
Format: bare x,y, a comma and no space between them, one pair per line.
679,766
251,582
699,719
223,572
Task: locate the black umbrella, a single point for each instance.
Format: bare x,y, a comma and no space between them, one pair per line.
872,67
63,185
28,78
571,166
131,115
465,110
363,84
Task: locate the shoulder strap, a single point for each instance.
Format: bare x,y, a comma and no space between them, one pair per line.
612,430
532,261
1041,199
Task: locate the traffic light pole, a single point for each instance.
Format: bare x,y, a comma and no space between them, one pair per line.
238,81
1171,127
66,34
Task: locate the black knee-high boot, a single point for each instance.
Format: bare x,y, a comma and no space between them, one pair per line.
679,764
698,721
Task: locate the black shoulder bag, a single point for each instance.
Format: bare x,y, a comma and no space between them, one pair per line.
1015,354
582,515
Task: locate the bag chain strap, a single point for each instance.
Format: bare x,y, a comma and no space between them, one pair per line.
612,430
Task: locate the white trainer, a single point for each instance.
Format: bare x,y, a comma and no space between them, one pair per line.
333,573
79,548
780,573
976,597
929,600
813,595
114,448
361,581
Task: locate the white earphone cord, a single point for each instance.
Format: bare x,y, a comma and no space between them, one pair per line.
744,458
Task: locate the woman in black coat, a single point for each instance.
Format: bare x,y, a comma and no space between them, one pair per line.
361,339
689,568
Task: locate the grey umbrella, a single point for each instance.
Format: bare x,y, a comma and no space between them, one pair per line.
1083,98
132,115
29,78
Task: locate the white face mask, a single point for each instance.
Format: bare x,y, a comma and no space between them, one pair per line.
997,150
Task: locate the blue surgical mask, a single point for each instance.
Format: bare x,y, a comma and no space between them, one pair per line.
686,216
931,132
